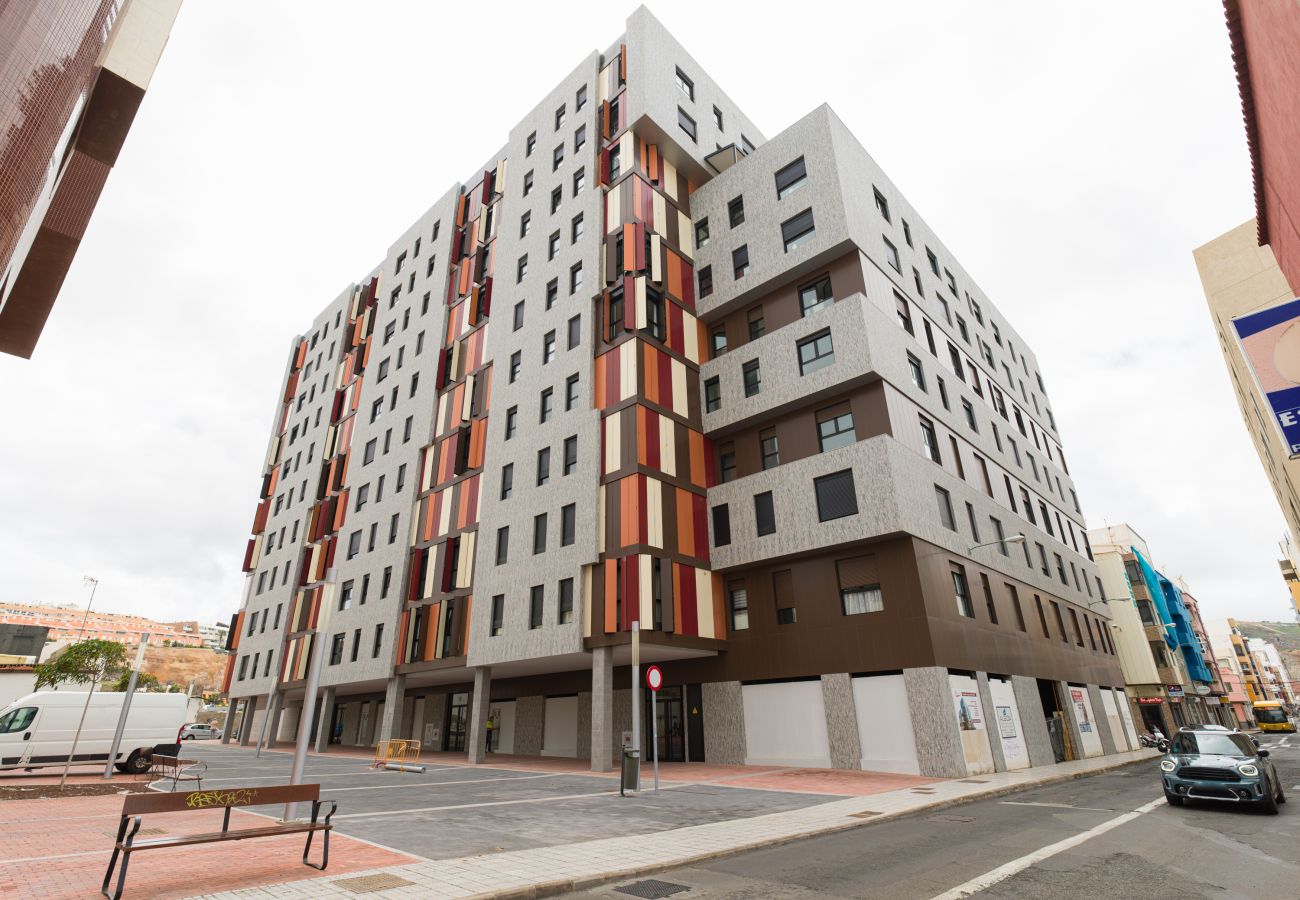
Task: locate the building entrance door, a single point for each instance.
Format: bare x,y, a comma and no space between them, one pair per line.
694,723
457,716
671,724
1055,719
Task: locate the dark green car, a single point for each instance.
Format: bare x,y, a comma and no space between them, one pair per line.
1219,765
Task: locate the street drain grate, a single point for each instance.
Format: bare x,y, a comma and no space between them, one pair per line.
365,884
113,834
652,889
865,814
974,781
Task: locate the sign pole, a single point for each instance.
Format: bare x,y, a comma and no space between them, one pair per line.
126,707
636,698
654,728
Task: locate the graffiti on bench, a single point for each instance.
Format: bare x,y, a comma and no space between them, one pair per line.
206,799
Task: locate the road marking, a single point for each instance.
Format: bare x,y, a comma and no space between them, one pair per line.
1003,872
419,784
421,809
1054,805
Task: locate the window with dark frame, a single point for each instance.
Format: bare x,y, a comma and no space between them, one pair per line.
790,178
798,230
836,496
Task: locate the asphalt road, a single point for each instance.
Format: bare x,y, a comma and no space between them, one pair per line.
1200,850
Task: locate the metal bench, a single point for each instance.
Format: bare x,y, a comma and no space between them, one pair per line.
136,806
179,770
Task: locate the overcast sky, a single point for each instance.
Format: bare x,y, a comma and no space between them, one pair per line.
1070,155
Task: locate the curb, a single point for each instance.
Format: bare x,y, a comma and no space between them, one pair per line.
571,885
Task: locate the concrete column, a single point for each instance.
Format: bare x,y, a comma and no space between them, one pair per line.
479,707
841,721
394,704
1033,720
231,704
246,726
326,707
724,722
530,722
273,732
990,722
1108,744
934,723
602,709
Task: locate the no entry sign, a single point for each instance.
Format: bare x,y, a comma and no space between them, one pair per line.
654,678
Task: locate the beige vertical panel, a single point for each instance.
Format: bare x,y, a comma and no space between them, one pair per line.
327,446
600,524
669,179
691,337
426,476
639,291
658,207
627,373
613,443
273,454
257,549
667,445
679,388
414,528
467,403
704,603
430,575
647,602
465,565
448,499
501,176
613,210
656,258
685,235
602,84
440,417
453,365
626,150
654,512
586,600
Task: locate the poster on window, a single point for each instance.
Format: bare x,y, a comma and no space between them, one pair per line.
969,715
1006,721
1270,342
1082,710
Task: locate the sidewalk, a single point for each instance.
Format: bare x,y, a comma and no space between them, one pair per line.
557,869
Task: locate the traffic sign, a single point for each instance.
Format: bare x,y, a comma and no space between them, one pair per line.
654,678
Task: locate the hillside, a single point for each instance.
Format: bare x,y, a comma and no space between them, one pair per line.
1284,635
181,665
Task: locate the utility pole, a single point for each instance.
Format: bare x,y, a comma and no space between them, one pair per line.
309,694
94,583
126,707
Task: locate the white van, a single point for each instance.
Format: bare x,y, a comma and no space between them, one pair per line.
37,730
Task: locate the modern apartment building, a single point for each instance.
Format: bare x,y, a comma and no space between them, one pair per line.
1255,267
648,367
72,75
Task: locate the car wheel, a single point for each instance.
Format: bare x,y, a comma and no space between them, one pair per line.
1281,795
187,737
137,764
1173,800
1269,804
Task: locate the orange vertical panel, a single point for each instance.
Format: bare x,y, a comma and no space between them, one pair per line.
651,390
600,381
685,523
629,254
677,598
611,596
697,457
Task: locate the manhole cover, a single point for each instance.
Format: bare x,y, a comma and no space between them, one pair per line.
652,889
865,814
113,834
365,884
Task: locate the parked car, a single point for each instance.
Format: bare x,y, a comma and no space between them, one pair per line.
198,731
1227,766
39,729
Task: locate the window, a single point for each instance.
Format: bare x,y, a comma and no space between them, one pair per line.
717,118
579,181
552,292
568,524
512,421
974,525
705,276
881,204
857,599
575,331
907,233
988,599
570,392
1060,621
369,455
536,600
815,352
815,296
516,360
579,138
736,211
521,268
835,431
969,412
557,197
961,592
918,374
727,462
507,480
575,278
701,233
559,118
557,157
354,544
891,254
798,230
570,455
756,324
740,261
764,513
836,497
656,324
686,123
753,379
530,144
543,466
685,85
539,533
503,545
565,616
548,347
721,525
930,441
738,605
545,405
719,340
790,178
768,449
498,614
363,495
712,395
904,313
553,245
575,229
946,517
336,650
519,316
580,99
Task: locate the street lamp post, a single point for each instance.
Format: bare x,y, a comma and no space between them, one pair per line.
1014,539
126,707
94,583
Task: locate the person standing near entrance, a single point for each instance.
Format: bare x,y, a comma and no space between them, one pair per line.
489,735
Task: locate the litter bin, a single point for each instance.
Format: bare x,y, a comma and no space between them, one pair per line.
631,780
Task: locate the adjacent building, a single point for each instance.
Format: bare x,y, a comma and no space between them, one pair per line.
70,623
72,75
1255,267
1171,674
647,368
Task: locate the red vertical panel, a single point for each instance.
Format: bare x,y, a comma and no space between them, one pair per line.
631,591
629,290
665,379
642,510
639,234
676,336
688,284
686,603
651,439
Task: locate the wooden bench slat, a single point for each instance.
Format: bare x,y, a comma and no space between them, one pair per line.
213,837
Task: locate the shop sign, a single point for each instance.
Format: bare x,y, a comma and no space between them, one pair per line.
1150,701
1175,690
